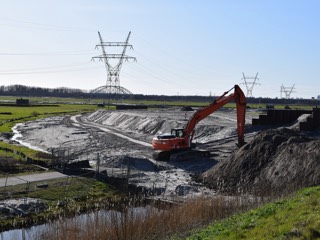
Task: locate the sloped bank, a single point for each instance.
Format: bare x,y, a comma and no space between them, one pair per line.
275,160
144,124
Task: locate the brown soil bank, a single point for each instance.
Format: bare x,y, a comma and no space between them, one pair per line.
275,160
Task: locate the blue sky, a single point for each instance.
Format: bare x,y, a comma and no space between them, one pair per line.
182,47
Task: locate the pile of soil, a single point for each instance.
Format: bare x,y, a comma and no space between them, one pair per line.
275,160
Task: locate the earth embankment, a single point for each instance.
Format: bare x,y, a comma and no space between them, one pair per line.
275,160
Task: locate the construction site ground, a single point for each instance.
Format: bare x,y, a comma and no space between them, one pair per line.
121,142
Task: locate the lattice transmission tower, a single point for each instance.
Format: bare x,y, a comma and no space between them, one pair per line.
287,91
250,84
113,71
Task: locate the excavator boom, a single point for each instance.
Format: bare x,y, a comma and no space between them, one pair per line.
202,113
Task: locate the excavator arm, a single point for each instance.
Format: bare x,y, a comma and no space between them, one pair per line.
238,96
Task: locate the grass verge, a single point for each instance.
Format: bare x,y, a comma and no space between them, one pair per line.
297,217
64,197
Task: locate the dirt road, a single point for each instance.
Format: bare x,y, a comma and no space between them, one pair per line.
11,181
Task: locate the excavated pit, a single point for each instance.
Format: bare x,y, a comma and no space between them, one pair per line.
121,141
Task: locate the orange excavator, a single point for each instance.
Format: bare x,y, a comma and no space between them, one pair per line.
178,145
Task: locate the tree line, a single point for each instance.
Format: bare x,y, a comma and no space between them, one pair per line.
27,91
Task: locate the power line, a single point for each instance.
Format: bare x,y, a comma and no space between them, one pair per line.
159,77
43,26
85,52
49,67
43,72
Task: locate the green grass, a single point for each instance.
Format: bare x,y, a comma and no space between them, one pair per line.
21,114
297,217
27,151
62,188
72,188
78,194
58,100
5,155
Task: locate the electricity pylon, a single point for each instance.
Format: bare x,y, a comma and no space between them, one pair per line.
250,85
287,91
113,72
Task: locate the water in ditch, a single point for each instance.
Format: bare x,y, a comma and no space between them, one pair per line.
39,231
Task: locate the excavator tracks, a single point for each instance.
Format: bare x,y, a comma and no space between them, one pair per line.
182,155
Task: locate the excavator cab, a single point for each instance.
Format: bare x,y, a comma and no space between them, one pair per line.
177,132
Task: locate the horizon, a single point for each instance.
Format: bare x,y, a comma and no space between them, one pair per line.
87,91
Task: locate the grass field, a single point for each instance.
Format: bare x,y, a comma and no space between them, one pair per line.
297,217
10,115
63,188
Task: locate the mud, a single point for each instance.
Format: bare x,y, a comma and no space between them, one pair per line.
121,140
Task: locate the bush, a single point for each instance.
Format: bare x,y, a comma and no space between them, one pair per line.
34,113
8,165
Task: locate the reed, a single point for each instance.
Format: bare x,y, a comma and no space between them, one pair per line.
149,222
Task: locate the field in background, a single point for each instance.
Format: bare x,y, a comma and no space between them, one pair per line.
10,115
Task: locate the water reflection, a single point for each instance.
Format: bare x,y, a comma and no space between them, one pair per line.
17,137
108,217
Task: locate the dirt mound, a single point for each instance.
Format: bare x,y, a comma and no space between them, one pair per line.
273,161
153,122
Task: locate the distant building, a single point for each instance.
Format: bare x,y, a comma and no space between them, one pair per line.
318,97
